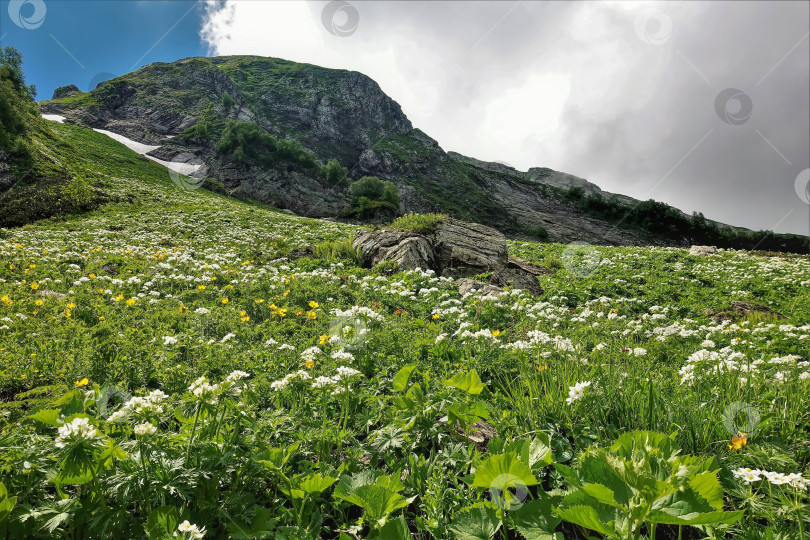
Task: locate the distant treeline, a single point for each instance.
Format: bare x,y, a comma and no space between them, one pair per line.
665,221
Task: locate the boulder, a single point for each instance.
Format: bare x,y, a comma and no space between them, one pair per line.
410,251
471,286
455,248
517,279
463,247
702,250
526,266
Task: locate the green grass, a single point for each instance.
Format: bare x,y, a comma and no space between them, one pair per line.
210,292
418,223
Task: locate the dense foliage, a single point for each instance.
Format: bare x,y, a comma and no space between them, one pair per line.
369,190
248,141
16,107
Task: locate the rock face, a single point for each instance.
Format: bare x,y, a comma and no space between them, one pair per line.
65,91
408,250
456,248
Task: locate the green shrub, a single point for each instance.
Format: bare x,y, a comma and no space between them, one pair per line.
247,141
370,188
338,250
418,223
77,193
228,101
335,174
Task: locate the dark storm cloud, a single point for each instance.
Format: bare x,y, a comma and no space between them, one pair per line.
583,88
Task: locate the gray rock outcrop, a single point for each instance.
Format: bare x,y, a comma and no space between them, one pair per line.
455,248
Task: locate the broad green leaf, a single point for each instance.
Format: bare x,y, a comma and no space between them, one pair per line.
468,382
47,416
476,523
708,486
162,522
535,520
395,529
315,483
348,484
535,452
261,526
600,493
378,502
402,377
590,518
707,518
502,472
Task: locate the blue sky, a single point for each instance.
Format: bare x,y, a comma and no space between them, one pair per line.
82,42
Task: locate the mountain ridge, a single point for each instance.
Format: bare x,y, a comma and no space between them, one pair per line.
185,106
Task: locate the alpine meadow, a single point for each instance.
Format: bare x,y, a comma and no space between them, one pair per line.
244,297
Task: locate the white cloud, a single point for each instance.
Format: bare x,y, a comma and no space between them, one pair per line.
571,86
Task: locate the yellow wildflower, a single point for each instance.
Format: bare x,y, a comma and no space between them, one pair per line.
81,382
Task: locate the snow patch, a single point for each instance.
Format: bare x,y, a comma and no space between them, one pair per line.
183,168
54,118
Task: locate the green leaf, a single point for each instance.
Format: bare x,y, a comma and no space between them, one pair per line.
502,472
402,377
476,523
396,529
535,452
378,503
707,518
535,520
315,483
591,518
468,382
162,522
47,416
261,526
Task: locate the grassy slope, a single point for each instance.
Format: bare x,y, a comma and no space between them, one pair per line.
178,254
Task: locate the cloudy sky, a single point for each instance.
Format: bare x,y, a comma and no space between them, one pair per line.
705,106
